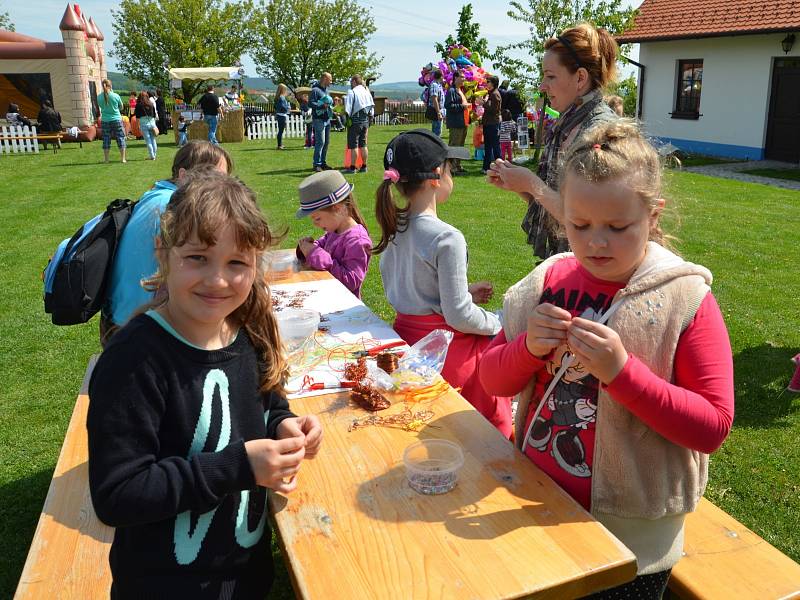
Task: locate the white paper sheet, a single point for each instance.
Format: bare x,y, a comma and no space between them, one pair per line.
351,326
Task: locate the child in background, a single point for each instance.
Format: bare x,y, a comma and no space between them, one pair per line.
477,140
344,250
424,265
188,422
507,129
794,384
183,131
621,415
305,110
132,104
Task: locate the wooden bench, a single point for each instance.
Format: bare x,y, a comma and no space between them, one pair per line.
27,143
724,560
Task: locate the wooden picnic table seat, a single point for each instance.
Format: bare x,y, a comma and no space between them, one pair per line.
54,138
724,560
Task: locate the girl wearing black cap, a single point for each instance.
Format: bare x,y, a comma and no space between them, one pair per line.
424,265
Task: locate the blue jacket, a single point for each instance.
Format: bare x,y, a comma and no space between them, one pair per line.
321,112
281,105
135,258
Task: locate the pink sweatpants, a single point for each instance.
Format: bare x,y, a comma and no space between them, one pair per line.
506,150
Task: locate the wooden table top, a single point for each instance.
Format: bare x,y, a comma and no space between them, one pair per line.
505,531
354,524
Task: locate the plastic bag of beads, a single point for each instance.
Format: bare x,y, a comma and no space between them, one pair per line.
422,364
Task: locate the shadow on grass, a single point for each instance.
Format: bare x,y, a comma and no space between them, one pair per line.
300,173
761,375
21,503
269,148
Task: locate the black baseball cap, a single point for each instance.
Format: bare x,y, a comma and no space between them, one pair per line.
416,153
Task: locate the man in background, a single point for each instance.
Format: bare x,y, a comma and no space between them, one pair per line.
359,107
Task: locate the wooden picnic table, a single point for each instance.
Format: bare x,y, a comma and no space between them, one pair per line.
355,527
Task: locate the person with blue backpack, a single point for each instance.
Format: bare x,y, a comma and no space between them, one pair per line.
321,104
135,257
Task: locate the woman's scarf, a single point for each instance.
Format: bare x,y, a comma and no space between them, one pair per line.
541,227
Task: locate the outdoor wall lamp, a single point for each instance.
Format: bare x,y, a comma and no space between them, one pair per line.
787,43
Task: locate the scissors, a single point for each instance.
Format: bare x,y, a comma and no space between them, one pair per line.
378,349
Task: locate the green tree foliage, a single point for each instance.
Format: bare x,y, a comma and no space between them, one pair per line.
299,40
5,22
182,33
546,19
467,34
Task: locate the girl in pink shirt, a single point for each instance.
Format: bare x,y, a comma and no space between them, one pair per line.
619,357
345,249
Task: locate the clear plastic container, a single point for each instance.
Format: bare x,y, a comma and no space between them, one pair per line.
432,465
281,264
296,325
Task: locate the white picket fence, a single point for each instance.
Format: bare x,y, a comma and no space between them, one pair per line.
9,144
267,127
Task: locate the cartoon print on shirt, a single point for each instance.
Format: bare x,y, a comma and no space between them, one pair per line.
572,406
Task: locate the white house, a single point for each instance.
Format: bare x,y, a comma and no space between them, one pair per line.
721,77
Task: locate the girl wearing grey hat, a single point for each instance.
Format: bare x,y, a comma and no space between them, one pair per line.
424,265
345,249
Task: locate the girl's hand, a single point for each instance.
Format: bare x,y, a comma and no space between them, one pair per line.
306,245
547,329
598,348
308,427
276,462
481,292
508,176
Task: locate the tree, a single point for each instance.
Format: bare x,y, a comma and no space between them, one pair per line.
5,22
467,34
546,19
299,40
180,33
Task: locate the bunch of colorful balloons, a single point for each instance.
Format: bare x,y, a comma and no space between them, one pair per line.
460,58
534,112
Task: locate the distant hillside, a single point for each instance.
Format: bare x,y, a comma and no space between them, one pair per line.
399,90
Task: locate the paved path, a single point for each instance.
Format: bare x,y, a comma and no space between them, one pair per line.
732,171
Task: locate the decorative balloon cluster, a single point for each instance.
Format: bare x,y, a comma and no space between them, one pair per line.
460,58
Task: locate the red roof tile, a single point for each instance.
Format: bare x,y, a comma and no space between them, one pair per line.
682,19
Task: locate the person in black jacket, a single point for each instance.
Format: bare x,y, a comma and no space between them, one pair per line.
161,110
49,118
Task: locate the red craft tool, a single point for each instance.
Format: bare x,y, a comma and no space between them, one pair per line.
331,386
378,349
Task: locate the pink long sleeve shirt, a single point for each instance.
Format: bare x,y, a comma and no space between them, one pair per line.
696,411
344,255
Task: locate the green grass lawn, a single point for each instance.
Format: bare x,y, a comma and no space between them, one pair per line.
745,233
791,174
699,160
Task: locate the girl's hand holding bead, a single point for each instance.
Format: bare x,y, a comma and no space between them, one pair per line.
598,348
308,427
276,462
306,245
547,329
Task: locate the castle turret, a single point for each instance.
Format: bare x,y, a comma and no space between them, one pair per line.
101,50
73,31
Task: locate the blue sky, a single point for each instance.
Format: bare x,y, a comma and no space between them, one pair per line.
405,36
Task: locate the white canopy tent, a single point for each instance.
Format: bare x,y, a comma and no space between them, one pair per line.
203,73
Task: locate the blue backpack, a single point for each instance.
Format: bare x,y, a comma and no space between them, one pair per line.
76,278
